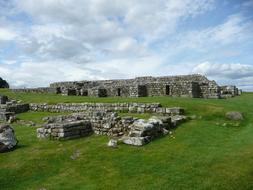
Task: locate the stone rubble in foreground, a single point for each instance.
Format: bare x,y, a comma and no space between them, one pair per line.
129,130
7,138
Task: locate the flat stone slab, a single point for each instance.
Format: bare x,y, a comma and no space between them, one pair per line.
136,141
234,115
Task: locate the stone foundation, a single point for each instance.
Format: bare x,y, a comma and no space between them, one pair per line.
122,107
8,108
65,130
131,130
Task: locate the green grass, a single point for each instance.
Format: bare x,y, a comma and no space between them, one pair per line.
203,155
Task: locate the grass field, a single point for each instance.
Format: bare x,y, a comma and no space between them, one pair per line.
208,152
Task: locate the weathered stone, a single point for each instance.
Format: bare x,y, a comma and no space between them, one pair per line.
8,108
195,85
165,120
7,138
12,119
136,141
112,143
41,133
234,115
6,115
229,91
65,128
177,119
3,99
75,155
143,131
165,131
77,107
106,123
37,90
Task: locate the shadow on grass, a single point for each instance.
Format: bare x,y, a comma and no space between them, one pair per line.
6,150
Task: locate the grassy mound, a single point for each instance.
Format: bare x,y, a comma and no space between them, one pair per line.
202,153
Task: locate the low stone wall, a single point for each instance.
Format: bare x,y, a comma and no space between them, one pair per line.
11,108
123,107
69,126
65,130
37,90
17,108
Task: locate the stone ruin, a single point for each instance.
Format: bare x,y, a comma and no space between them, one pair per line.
8,108
102,118
229,91
129,130
196,86
98,118
113,107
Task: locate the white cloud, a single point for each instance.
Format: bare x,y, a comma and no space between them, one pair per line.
228,70
102,39
125,68
31,74
6,34
99,22
230,73
234,30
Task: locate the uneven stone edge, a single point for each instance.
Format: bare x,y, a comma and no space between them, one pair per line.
123,107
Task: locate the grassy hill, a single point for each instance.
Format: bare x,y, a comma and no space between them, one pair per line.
209,152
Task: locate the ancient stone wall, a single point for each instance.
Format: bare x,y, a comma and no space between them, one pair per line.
133,131
65,129
8,108
196,86
229,91
17,108
210,90
80,124
185,85
122,107
37,90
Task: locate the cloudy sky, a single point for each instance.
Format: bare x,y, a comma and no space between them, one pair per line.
43,41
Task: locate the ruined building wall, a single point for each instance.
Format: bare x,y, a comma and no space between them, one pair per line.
196,86
229,91
210,90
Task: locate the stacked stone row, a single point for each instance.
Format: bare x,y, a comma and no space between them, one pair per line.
142,131
102,123
122,107
112,126
8,108
36,90
65,130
